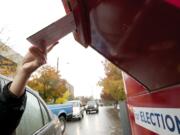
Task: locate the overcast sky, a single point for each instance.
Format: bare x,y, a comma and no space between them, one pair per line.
79,66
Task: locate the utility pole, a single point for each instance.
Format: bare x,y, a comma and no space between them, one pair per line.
57,63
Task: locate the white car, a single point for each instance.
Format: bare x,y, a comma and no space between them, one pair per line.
78,110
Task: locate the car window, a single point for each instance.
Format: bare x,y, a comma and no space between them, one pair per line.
2,83
76,104
6,81
91,102
32,118
45,114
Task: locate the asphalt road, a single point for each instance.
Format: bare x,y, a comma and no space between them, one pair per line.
106,122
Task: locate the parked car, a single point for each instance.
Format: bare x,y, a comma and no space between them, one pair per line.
78,109
63,112
92,106
36,119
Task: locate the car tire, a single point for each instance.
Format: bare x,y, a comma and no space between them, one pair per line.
63,123
97,111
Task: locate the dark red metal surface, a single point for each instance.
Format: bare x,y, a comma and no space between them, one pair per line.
80,11
144,42
141,37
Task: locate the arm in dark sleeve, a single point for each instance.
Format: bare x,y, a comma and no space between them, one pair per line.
11,110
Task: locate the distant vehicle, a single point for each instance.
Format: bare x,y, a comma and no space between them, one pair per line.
78,109
101,104
63,112
92,106
36,119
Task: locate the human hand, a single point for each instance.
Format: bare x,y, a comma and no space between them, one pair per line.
35,58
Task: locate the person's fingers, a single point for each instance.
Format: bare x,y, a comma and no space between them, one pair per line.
32,66
43,46
28,57
36,52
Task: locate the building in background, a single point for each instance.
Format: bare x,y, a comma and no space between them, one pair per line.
70,88
9,60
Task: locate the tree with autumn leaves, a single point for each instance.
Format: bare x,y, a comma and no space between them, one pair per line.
49,84
112,83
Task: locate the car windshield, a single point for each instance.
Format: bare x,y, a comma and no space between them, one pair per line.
75,104
91,103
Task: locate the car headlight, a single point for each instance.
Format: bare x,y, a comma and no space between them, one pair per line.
95,106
